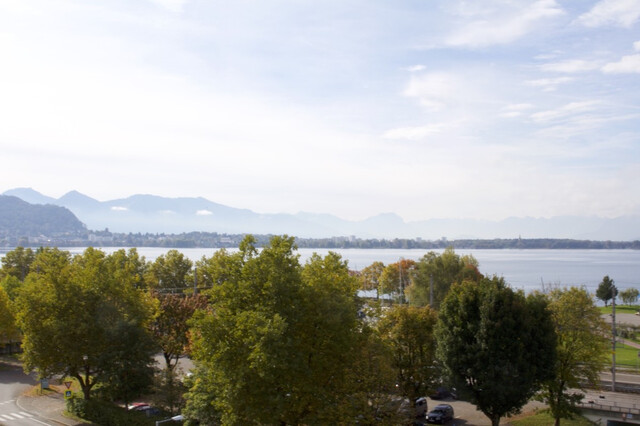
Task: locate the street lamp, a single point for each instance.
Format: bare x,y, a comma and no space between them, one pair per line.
177,418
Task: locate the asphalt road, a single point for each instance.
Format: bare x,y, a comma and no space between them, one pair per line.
13,382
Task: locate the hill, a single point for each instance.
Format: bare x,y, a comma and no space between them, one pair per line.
145,213
19,218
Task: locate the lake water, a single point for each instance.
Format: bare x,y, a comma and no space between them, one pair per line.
522,269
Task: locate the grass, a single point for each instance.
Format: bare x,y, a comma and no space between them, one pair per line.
627,355
620,309
543,418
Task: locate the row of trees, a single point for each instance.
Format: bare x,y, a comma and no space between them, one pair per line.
276,341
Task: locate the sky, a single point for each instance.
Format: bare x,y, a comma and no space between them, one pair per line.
482,109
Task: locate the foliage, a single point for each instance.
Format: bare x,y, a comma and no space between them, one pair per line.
581,350
544,418
606,290
8,329
170,272
496,346
374,379
395,278
279,339
17,263
169,391
630,295
408,331
370,276
444,270
72,313
128,367
170,327
105,413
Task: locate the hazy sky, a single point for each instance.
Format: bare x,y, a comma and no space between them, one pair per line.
430,109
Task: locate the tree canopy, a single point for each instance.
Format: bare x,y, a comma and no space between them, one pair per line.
606,290
497,347
277,343
73,313
441,271
582,350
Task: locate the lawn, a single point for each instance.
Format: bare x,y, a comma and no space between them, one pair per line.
626,355
620,309
543,418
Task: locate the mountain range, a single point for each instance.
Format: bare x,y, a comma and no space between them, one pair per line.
155,214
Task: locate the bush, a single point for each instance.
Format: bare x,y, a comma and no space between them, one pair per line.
106,414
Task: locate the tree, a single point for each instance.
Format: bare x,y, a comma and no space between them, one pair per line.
606,290
370,277
170,329
277,344
582,350
17,263
8,330
72,313
630,295
496,346
170,272
435,273
395,278
408,331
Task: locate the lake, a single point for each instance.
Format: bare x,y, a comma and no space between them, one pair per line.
522,269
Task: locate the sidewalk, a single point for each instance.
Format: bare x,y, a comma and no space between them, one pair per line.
49,407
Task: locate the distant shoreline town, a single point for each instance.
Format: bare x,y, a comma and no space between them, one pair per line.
216,240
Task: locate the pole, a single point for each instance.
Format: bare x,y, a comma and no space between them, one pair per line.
431,290
613,339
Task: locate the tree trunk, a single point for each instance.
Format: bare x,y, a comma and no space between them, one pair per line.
495,421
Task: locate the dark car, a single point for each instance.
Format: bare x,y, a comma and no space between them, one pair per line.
442,413
443,393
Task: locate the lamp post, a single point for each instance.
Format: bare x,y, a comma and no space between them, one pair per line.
177,418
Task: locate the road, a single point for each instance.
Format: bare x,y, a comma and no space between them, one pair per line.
13,382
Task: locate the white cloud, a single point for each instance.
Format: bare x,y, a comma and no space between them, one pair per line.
548,84
171,5
204,213
564,111
119,209
570,66
505,25
435,90
628,64
413,133
622,13
415,68
515,110
636,46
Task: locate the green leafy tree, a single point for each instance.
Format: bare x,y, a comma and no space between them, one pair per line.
408,331
606,290
374,378
17,263
582,350
170,272
395,278
170,329
630,295
435,273
8,330
127,369
72,313
11,285
496,346
370,277
278,341
219,268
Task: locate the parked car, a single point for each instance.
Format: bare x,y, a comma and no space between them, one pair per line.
442,413
443,393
